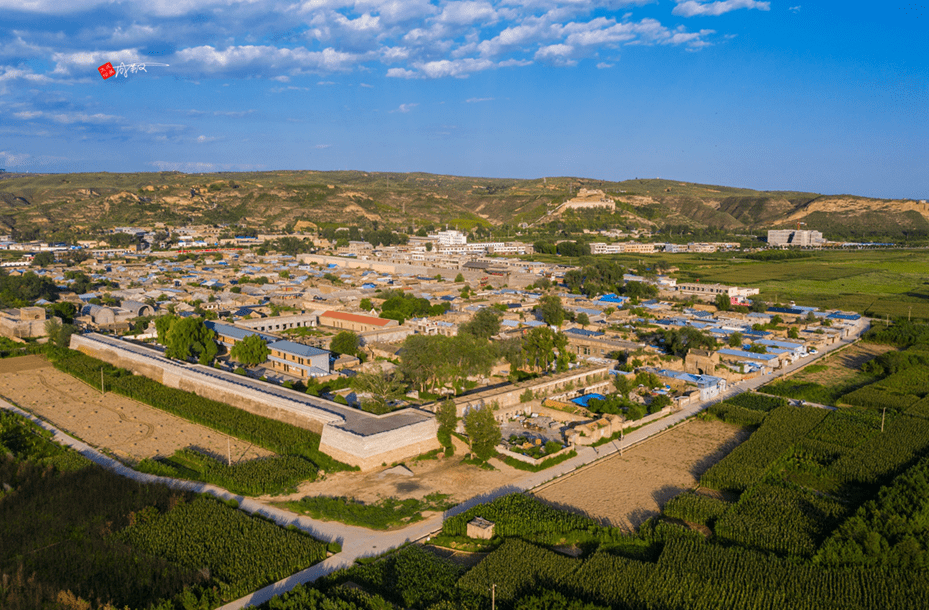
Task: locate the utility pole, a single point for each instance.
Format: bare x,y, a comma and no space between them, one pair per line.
493,596
883,413
102,391
228,452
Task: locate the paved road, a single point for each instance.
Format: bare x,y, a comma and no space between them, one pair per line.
361,542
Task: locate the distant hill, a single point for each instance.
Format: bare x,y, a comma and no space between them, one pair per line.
37,204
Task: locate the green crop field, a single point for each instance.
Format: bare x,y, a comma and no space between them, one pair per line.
876,283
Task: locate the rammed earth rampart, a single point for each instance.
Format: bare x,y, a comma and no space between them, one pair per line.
349,435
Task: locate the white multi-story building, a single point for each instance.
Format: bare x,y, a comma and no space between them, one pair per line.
598,247
450,238
791,237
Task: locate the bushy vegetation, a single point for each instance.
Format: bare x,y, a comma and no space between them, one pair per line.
749,461
679,341
71,531
262,476
543,465
781,519
695,508
386,514
518,515
26,289
734,414
902,333
890,530
757,402
271,434
238,552
401,306
410,578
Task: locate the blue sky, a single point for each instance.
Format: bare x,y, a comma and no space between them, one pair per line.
831,97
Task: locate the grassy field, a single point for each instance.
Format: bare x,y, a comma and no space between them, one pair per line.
875,283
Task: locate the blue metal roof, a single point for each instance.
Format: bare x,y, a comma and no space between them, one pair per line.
782,344
738,353
296,348
226,330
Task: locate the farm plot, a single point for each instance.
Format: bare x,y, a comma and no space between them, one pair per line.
130,430
623,491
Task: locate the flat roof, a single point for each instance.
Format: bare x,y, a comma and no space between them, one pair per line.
354,317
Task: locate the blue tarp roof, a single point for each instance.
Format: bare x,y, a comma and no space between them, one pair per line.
584,333
586,398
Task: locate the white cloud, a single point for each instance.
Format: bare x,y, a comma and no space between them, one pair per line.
558,54
155,128
603,65
323,146
257,60
68,118
464,13
402,73
366,85
206,139
10,159
9,73
794,9
457,67
86,63
474,100
196,167
283,40
325,82
693,8
406,107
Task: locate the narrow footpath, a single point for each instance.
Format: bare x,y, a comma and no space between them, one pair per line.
358,542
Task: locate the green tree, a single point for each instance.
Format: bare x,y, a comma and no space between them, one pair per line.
250,351
64,310
483,431
43,259
793,333
447,416
366,304
464,356
459,278
723,302
553,313
418,361
640,290
382,387
190,338
659,402
484,324
623,385
758,349
52,329
346,342
583,319
735,340
539,347
649,380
